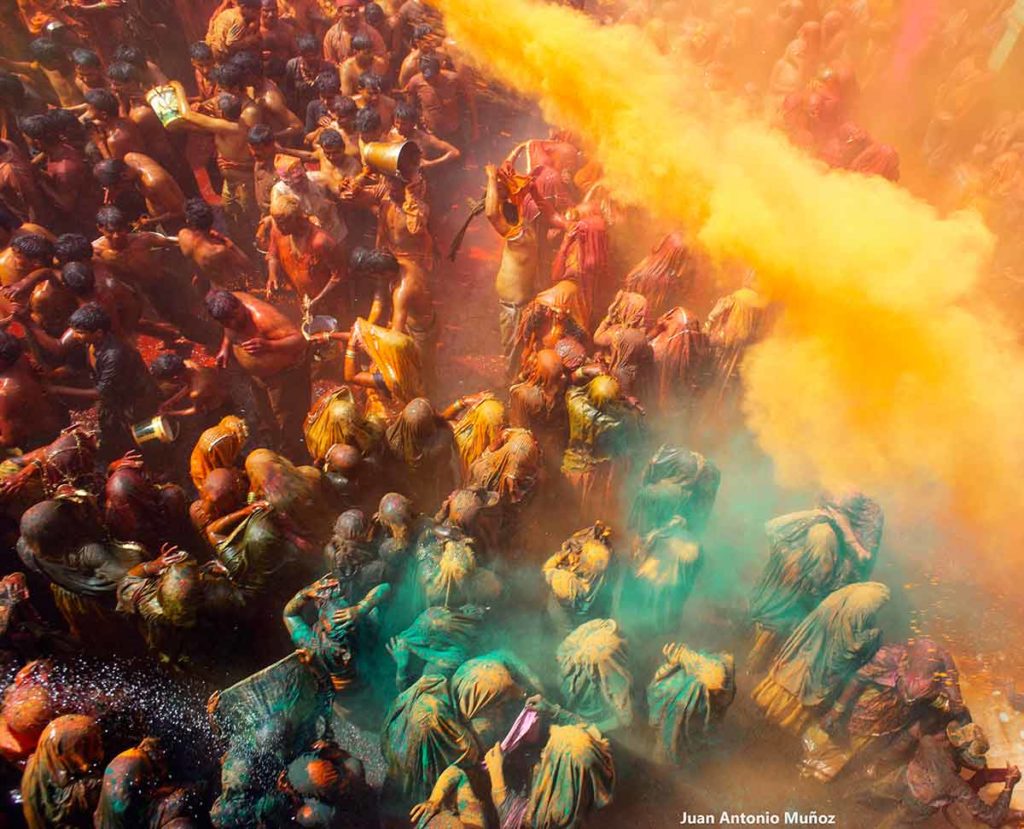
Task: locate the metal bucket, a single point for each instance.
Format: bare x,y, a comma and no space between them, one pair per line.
158,428
164,102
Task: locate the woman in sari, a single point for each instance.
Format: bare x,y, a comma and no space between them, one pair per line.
688,698
489,691
61,783
438,641
129,784
219,447
421,444
292,491
811,554
660,579
336,419
735,322
682,360
595,679
28,706
821,655
627,310
450,575
574,777
63,541
579,579
510,467
903,685
393,376
583,256
537,403
603,427
476,422
423,734
665,277
676,483
554,313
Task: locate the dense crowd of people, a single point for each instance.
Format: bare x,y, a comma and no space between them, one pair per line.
231,458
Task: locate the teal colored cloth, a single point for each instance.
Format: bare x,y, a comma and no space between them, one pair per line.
596,682
682,709
831,644
128,783
439,640
575,776
423,734
676,483
489,691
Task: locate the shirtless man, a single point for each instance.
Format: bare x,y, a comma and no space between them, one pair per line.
65,179
113,135
363,59
268,97
88,71
135,258
230,133
144,191
216,258
424,42
189,389
371,96
29,254
336,163
305,255
127,86
271,350
402,217
20,193
407,128
277,34
441,95
29,417
516,281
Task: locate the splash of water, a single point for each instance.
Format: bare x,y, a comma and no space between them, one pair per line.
885,370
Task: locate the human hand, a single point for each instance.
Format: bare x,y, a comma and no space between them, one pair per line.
256,346
540,705
132,459
223,358
170,554
495,757
422,812
1012,776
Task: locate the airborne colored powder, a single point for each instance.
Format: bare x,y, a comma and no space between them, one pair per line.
885,371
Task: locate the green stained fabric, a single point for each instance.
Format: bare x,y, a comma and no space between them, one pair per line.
489,692
256,553
676,483
441,637
128,783
575,776
596,682
660,579
423,734
801,570
596,435
688,695
831,643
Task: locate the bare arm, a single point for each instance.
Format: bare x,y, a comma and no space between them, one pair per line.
492,203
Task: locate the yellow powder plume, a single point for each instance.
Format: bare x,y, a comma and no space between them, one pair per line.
882,372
